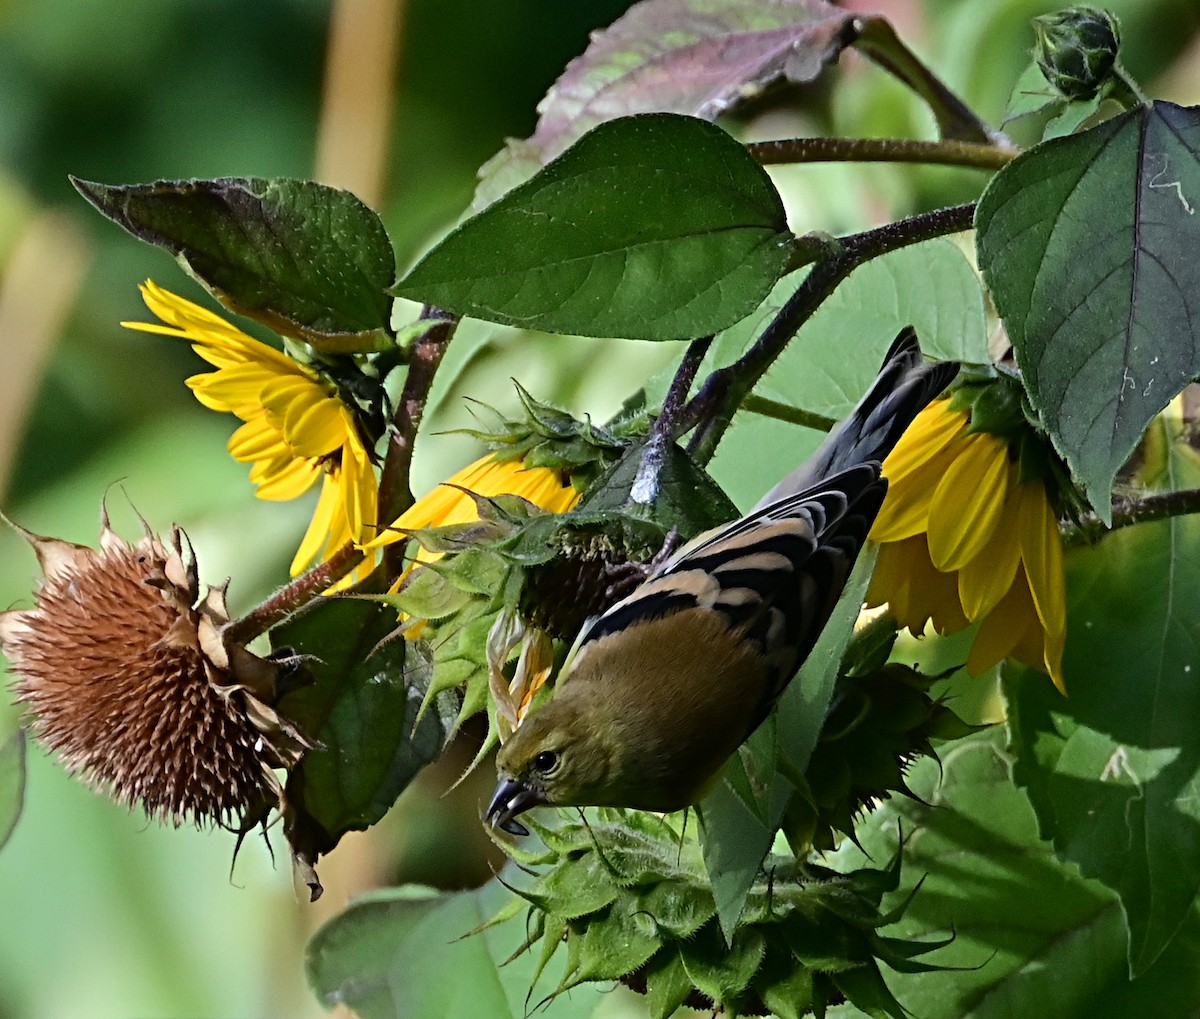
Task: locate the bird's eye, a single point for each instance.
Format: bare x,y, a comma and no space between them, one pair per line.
545,761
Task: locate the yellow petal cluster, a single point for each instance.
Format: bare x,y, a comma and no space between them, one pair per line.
296,429
964,540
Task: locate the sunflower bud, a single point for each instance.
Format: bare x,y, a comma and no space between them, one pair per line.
1077,49
122,671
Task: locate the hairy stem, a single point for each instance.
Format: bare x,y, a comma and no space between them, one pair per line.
293,596
395,494
725,390
1127,512
983,155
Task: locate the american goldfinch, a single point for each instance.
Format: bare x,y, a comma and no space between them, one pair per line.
661,689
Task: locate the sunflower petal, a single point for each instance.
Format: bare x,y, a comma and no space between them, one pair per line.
317,535
1003,628
986,577
916,592
1041,549
968,502
284,478
315,424
257,439
932,430
905,510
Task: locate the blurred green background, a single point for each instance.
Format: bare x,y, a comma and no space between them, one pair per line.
105,915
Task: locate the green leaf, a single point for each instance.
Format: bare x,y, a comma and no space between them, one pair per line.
680,494
1114,770
621,944
655,227
836,355
578,887
1072,116
1031,94
1087,243
360,710
307,260
805,703
12,782
402,953
736,840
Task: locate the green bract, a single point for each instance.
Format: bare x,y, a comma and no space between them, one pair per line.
629,898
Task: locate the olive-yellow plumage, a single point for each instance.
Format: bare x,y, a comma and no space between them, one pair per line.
665,685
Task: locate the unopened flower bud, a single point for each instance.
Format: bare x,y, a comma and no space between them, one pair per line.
122,670
1077,49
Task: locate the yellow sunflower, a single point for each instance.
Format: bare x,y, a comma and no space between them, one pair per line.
965,539
296,427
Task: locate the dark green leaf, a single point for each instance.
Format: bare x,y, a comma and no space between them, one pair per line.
676,56
1114,770
307,260
865,989
360,710
1087,244
681,494
622,943
655,227
786,989
12,782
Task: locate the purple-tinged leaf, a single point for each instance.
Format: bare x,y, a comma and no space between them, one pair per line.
696,57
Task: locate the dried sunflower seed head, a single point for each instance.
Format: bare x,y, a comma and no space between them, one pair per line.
122,671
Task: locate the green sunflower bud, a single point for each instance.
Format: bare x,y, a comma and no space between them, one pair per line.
1077,50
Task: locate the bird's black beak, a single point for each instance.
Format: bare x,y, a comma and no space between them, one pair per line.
512,798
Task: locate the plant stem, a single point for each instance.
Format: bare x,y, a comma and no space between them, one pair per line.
395,495
724,391
1127,512
878,42
881,150
293,596
786,412
646,485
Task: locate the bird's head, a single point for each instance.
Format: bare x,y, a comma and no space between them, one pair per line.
554,757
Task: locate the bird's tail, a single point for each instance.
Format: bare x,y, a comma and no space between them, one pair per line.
905,385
